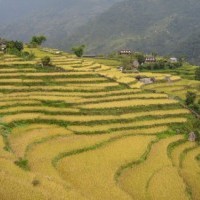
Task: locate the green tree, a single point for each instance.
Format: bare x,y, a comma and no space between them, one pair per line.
140,57
190,98
126,62
193,126
78,51
18,45
197,74
38,40
46,61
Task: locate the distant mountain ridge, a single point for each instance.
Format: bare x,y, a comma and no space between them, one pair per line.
144,25
54,18
169,27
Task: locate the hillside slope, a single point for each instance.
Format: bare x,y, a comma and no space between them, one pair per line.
84,131
55,19
145,25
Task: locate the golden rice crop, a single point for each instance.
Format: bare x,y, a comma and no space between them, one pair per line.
69,99
40,156
90,118
190,172
167,184
129,96
175,78
96,128
23,116
17,62
175,155
136,85
99,85
72,93
49,88
21,137
127,103
103,68
20,81
140,180
17,102
17,70
110,126
54,74
21,189
74,80
98,167
37,108
18,184
38,53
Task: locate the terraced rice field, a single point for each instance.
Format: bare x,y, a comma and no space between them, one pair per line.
177,89
90,132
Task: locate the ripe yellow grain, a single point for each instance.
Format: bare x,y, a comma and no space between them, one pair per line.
137,181
92,129
167,184
17,102
21,137
127,103
93,171
72,93
16,184
18,117
190,172
40,156
37,108
175,155
127,96
17,70
90,118
17,62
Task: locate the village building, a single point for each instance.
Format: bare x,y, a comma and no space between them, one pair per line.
3,45
125,52
192,137
173,60
150,60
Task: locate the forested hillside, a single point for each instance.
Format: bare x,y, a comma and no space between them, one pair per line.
165,27
54,18
151,26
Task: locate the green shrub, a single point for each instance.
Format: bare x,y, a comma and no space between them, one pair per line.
190,98
22,163
46,61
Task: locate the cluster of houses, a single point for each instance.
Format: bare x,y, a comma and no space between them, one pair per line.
3,45
148,59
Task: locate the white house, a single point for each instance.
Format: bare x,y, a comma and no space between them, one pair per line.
173,60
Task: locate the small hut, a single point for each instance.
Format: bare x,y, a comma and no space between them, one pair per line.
173,60
192,137
125,52
150,59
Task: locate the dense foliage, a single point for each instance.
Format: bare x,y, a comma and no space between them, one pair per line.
79,50
38,40
46,61
191,101
162,28
197,74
